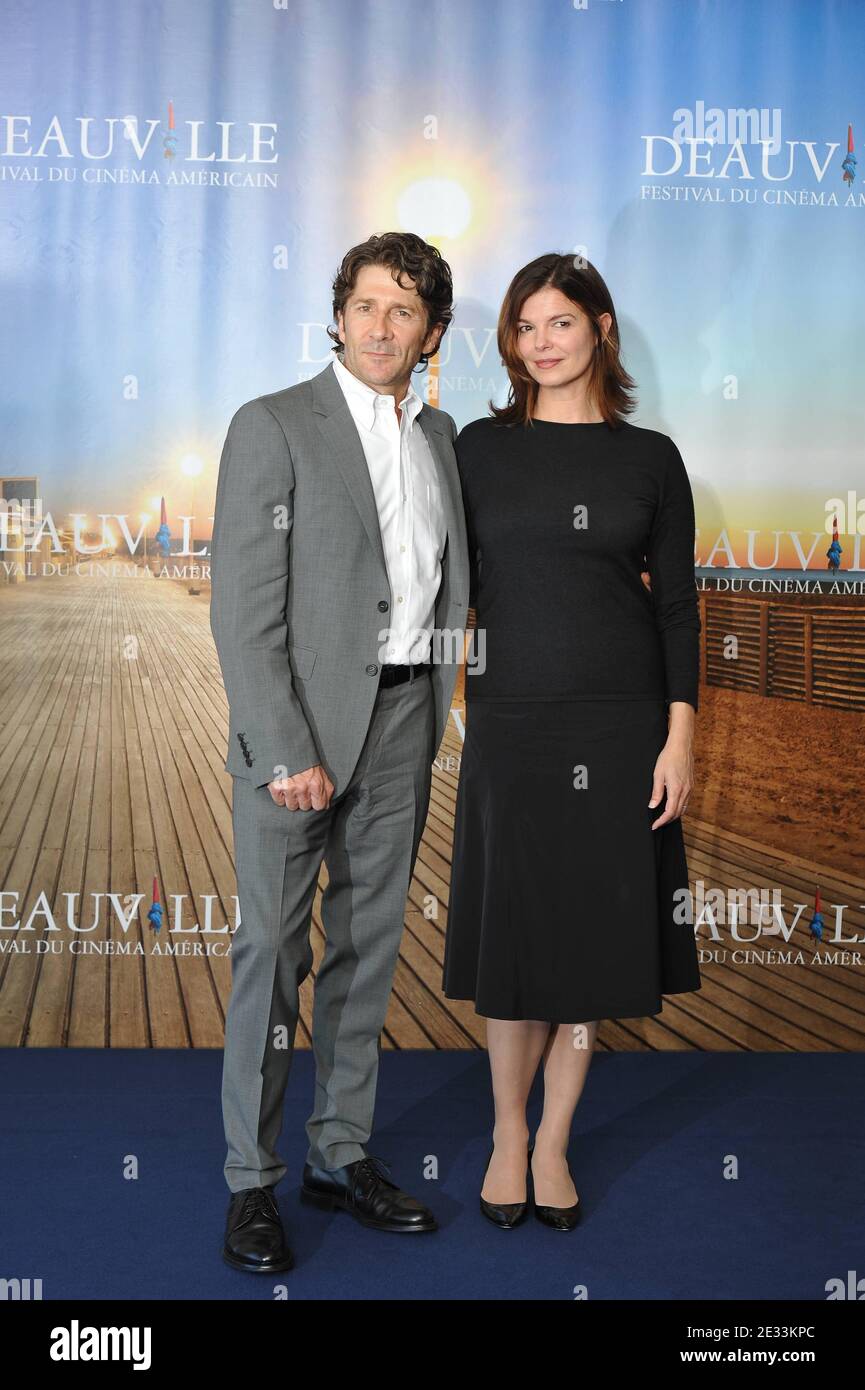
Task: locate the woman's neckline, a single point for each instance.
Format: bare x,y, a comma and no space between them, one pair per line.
570,424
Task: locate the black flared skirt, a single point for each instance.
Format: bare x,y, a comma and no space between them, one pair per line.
565,905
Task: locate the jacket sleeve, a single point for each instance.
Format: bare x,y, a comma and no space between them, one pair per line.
474,560
250,565
670,557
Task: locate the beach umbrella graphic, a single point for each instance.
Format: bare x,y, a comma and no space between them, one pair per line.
169,141
154,916
848,164
817,923
163,535
834,551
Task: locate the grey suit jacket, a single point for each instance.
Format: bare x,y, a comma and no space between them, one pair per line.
300,600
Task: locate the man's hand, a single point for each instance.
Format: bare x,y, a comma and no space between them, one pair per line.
310,790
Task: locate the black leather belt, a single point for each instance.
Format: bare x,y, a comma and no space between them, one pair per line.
395,675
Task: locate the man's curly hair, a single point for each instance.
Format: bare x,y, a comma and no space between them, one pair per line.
403,253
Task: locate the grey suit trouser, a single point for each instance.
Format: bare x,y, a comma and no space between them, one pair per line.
368,838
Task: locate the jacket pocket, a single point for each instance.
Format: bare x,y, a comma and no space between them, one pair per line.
302,660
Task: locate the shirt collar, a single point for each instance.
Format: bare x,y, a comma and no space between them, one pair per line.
361,398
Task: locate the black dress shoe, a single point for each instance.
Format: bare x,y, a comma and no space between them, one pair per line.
362,1189
254,1238
560,1218
506,1215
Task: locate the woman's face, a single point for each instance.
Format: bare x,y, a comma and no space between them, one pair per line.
555,338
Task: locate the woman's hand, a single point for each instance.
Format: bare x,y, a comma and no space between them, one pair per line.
674,769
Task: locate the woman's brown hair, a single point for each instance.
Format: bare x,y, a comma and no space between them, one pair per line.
403,253
609,387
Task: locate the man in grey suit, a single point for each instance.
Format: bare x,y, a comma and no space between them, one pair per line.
339,599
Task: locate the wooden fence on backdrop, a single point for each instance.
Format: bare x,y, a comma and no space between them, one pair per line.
808,651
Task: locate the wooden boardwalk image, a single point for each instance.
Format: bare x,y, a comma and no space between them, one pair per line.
111,774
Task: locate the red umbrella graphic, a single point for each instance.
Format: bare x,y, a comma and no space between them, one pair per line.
169,141
849,164
817,924
154,916
834,551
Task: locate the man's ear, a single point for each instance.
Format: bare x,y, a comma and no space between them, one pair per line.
434,338
340,327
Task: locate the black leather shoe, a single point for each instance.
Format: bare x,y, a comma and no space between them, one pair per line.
506,1215
560,1218
362,1189
254,1238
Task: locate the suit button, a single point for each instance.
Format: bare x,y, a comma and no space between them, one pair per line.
383,605
372,670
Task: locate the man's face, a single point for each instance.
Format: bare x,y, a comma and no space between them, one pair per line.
384,330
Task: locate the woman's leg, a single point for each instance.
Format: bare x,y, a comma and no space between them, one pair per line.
515,1049
567,1058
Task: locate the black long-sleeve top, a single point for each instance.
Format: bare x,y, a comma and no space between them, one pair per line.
561,520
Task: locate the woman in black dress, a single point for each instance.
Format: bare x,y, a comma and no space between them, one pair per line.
569,892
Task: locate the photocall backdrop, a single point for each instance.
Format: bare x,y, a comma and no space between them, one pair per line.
179,184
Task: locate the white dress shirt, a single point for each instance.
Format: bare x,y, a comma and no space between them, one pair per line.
410,512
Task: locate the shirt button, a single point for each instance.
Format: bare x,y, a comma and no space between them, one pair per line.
399,600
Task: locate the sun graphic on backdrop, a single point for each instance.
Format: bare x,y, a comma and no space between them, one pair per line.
191,465
442,204
452,200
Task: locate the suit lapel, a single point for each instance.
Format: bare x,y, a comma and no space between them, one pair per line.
344,447
441,449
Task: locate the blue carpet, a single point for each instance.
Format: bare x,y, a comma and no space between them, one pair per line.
651,1139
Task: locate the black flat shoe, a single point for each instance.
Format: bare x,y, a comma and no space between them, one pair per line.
506,1215
363,1190
254,1238
559,1218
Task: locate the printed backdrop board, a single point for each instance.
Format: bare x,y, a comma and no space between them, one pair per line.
180,183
